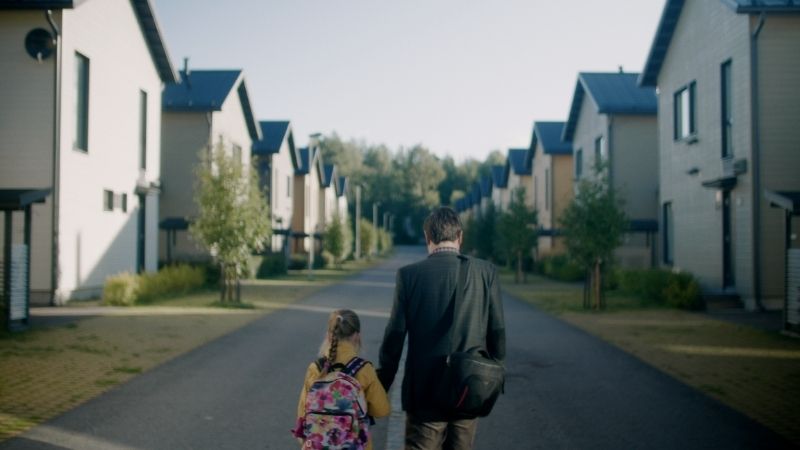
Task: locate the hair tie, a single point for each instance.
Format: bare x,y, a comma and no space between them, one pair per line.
339,319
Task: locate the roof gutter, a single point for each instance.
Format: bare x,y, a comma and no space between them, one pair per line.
756,157
56,156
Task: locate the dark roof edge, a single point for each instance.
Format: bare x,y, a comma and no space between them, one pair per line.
661,41
155,41
252,126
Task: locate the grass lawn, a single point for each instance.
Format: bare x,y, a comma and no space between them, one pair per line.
753,371
47,371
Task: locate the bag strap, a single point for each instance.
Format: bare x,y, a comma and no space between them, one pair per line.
458,297
354,365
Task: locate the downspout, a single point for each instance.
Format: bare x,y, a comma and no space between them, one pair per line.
56,154
756,140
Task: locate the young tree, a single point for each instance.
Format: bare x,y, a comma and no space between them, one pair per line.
517,228
367,237
593,225
233,217
486,233
337,240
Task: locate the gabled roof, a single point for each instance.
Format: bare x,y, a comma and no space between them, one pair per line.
486,186
342,186
548,134
328,175
517,161
144,14
476,193
304,164
611,93
207,90
499,176
669,20
272,135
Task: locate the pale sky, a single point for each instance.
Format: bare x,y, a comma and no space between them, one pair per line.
462,77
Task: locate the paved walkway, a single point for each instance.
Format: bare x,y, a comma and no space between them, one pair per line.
565,389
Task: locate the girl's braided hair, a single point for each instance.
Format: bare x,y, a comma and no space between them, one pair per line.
342,324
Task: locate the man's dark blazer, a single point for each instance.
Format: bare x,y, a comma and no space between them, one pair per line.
423,308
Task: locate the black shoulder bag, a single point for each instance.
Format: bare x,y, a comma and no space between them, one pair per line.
471,380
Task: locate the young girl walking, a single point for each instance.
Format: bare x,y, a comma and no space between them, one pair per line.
341,392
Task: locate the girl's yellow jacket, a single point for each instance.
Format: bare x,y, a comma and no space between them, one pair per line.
377,400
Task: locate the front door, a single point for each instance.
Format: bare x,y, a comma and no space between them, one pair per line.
140,233
727,241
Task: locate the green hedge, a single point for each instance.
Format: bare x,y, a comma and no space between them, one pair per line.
271,265
127,289
663,287
560,268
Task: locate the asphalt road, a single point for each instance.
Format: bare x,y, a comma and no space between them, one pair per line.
565,389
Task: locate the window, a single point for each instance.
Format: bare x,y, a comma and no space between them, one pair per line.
727,109
142,130
108,200
81,103
578,163
289,186
547,189
684,117
598,150
124,202
669,233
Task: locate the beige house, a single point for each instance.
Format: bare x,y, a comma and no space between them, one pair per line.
551,159
276,159
613,120
306,224
729,102
83,119
205,109
519,173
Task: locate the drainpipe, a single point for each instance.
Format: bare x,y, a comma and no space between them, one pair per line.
56,154
756,140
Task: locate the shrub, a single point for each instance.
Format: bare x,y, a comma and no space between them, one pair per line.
298,261
561,268
170,281
683,292
120,289
678,290
271,264
128,289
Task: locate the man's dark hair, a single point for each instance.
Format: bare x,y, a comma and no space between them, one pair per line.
442,224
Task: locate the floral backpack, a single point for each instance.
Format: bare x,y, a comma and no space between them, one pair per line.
336,410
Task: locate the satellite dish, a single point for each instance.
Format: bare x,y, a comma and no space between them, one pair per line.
39,43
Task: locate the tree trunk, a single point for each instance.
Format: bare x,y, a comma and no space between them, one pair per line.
518,277
587,282
223,280
598,284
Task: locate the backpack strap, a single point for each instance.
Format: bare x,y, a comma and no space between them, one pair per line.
354,365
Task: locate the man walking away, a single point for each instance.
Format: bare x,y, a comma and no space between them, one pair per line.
424,307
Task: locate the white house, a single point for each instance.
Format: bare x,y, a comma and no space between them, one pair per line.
343,198
82,117
327,195
519,173
276,160
728,76
204,109
306,229
500,194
